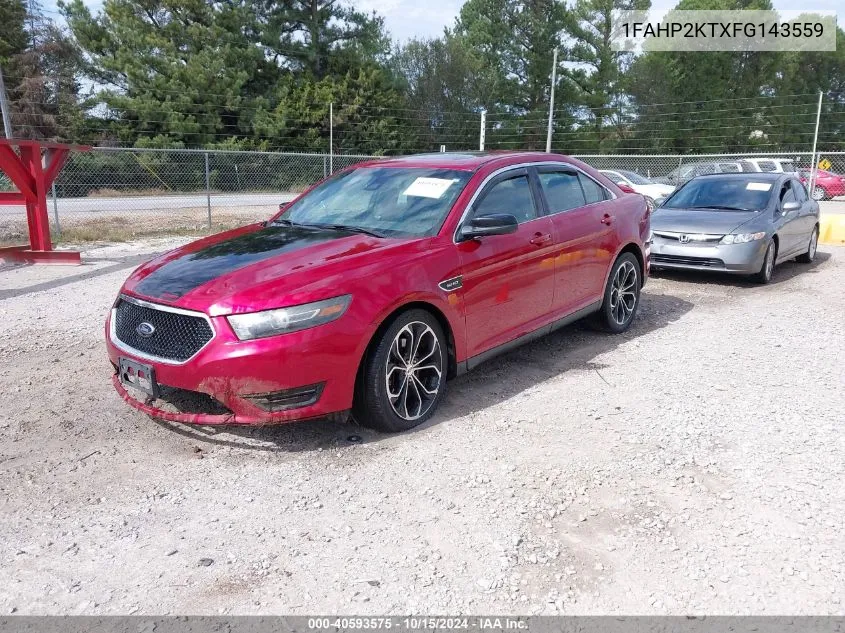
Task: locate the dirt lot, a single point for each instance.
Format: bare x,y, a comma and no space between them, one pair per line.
694,464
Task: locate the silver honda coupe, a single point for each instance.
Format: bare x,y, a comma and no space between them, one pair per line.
735,223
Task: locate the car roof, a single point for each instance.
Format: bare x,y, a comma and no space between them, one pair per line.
467,161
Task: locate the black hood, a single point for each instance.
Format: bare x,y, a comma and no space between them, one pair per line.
191,270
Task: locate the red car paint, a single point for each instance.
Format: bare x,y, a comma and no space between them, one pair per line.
551,267
832,184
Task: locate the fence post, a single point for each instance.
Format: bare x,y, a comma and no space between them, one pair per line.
208,190
56,210
483,132
814,160
325,167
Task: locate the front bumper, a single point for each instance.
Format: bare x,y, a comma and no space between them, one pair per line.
730,258
246,378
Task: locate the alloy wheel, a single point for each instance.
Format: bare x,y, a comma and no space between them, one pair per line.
818,194
623,293
414,370
814,244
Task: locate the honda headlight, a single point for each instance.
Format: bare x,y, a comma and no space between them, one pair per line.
742,238
286,320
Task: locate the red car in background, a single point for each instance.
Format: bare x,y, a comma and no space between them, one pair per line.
828,185
375,286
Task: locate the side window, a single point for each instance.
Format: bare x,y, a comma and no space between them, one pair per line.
787,194
593,191
562,190
800,191
766,165
708,168
512,196
728,168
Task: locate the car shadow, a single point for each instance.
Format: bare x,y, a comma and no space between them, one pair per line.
572,348
783,272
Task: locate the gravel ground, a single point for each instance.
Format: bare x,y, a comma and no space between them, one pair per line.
692,465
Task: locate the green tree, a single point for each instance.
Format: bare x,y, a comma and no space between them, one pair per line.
595,69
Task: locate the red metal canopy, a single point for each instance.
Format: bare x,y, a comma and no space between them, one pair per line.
33,174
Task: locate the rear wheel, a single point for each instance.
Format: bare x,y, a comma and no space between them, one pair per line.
768,267
621,296
403,375
810,255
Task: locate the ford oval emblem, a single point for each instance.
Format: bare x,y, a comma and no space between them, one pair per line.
145,329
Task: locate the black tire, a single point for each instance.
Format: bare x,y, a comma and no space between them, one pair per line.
810,255
768,267
375,406
608,318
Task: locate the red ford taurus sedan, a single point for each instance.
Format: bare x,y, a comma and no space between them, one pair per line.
374,287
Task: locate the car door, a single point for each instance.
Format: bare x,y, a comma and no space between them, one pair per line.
508,280
809,213
582,213
790,232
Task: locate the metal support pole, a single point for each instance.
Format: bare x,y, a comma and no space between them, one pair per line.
325,166
482,135
4,106
56,210
208,189
814,164
331,138
551,104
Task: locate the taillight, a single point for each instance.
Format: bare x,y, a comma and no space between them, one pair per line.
626,188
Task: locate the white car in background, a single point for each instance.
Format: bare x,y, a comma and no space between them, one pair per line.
768,164
638,183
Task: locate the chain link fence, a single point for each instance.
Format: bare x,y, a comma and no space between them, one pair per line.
119,194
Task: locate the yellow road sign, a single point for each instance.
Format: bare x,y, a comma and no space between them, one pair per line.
825,164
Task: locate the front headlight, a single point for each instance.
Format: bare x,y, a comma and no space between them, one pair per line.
286,320
742,238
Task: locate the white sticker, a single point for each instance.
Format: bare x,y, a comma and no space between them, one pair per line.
758,186
428,187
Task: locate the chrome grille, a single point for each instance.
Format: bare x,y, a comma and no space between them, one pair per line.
176,337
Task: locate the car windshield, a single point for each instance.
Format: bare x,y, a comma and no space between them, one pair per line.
636,178
722,194
386,201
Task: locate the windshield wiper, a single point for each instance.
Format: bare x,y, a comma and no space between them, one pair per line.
724,207
348,227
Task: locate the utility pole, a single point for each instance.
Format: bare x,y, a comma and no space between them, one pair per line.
551,104
483,133
814,165
331,138
4,105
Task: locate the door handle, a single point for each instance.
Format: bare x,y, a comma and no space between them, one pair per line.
607,219
539,239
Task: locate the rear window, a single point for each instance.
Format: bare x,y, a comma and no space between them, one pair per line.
593,192
562,190
766,165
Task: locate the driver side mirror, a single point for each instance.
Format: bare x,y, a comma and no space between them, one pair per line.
484,225
789,207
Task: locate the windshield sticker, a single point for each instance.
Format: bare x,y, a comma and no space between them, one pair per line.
758,186
428,187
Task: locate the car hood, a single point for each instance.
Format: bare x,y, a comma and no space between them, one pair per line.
700,220
254,267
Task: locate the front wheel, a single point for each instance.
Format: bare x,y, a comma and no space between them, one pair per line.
403,376
768,267
621,296
819,194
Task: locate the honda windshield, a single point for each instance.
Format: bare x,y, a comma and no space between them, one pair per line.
722,194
